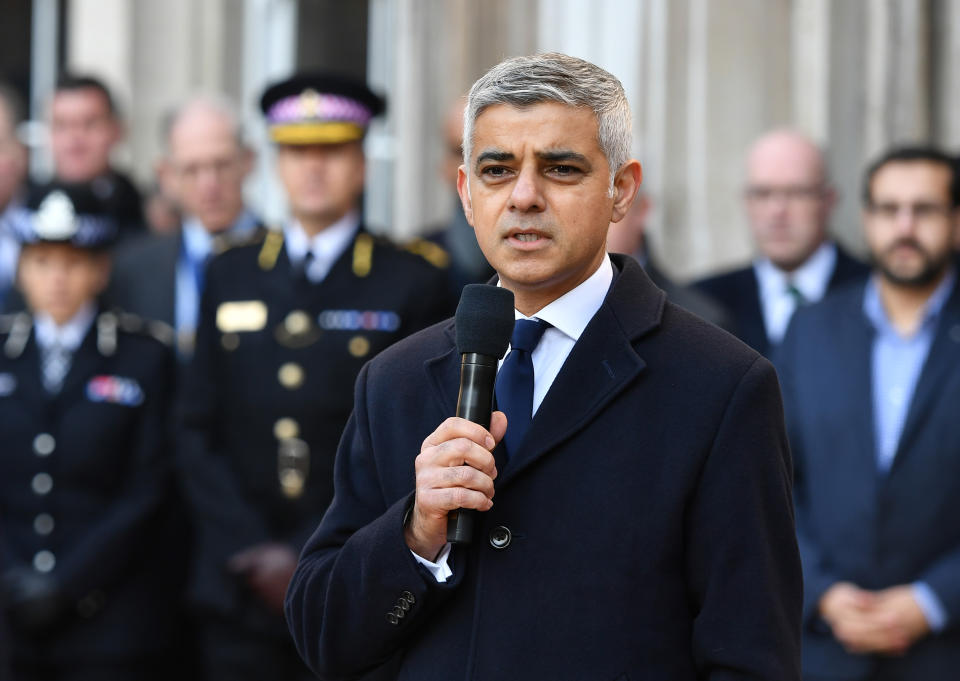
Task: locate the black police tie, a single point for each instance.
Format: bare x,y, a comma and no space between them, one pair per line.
55,361
514,385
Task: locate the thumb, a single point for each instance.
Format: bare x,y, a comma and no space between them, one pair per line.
498,425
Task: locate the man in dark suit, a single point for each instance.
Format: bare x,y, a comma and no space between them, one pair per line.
871,385
642,527
788,199
85,127
286,321
206,162
90,572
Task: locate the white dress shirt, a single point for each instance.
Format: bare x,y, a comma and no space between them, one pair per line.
68,336
568,316
198,243
326,246
810,279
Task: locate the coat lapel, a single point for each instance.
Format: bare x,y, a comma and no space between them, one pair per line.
940,364
601,365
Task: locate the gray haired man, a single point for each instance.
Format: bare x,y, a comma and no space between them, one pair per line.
642,526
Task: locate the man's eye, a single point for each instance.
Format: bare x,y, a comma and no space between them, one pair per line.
564,171
494,171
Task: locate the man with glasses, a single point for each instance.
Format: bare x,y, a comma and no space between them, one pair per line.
789,200
871,385
205,164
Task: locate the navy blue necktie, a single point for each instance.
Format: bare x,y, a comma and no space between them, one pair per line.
514,386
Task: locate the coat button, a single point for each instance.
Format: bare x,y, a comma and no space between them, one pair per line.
43,524
408,597
41,484
399,612
500,537
43,561
392,619
44,444
403,603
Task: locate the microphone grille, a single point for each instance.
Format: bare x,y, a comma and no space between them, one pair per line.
484,320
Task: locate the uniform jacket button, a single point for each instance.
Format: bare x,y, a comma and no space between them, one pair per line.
500,537
44,444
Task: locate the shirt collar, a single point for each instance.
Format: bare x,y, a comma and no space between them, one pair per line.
326,245
70,335
198,242
874,310
571,312
811,278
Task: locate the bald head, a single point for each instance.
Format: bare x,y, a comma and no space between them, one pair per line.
206,162
788,197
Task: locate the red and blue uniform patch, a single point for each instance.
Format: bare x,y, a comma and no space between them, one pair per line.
115,390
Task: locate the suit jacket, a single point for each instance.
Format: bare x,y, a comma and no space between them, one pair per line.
269,390
105,517
856,524
739,292
643,531
144,278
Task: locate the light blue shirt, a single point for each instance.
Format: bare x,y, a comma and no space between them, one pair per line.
198,243
896,363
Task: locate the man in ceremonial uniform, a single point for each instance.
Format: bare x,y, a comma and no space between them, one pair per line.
88,576
286,322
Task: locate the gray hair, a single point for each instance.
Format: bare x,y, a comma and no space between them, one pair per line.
554,77
214,103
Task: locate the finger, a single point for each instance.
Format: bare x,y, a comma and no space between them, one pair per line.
437,502
498,425
457,452
455,476
455,427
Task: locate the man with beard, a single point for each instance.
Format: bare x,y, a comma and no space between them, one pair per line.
871,386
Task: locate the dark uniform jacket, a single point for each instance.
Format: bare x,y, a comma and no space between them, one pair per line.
84,481
854,523
643,530
270,389
739,292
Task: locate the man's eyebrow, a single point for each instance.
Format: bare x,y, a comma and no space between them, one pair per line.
494,155
562,155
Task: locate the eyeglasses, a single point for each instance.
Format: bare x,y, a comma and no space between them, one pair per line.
919,211
793,193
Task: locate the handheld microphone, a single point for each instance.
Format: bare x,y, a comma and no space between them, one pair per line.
484,323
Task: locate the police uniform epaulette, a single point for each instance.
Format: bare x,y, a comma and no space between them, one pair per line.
225,242
6,322
131,323
433,253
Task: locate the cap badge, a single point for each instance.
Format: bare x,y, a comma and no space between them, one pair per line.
55,219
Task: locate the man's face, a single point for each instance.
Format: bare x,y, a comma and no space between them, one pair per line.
323,181
538,197
206,168
13,160
57,279
82,134
788,205
911,228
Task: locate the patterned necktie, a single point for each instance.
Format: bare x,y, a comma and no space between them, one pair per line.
796,294
514,385
55,364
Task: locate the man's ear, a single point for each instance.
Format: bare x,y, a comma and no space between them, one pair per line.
463,189
626,183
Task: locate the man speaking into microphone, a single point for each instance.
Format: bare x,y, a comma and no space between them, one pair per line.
632,495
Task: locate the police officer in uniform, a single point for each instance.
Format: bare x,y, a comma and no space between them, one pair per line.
286,321
88,576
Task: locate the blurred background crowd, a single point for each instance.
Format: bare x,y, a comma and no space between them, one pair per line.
212,213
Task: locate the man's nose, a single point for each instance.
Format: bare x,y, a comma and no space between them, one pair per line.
527,194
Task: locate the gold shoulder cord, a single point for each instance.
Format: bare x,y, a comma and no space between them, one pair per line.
270,250
362,255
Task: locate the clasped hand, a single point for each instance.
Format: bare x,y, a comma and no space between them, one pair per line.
888,621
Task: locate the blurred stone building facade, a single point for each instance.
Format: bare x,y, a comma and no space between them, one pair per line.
704,77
